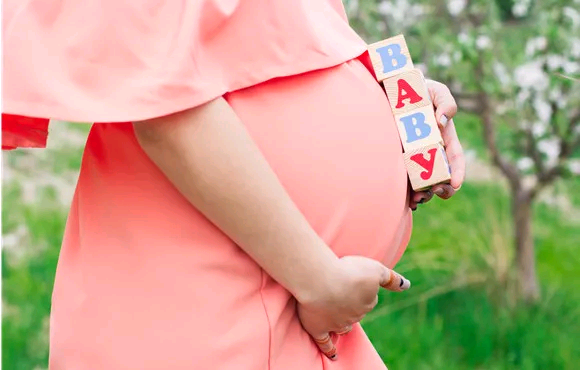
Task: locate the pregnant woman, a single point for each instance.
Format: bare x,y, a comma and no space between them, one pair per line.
242,193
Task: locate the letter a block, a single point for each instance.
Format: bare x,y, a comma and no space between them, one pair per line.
390,57
407,91
427,166
418,128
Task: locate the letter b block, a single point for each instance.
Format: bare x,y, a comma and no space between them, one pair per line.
390,57
418,128
427,166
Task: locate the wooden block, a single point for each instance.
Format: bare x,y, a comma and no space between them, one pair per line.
427,166
390,57
407,91
418,128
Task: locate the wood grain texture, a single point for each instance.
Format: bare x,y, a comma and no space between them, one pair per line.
427,166
407,91
418,128
396,57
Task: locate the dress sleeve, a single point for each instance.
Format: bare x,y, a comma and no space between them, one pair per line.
21,131
112,61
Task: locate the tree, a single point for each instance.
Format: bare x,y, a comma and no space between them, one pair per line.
516,66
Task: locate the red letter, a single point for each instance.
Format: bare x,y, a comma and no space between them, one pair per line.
426,164
409,93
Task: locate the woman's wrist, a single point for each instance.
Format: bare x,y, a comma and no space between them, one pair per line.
320,285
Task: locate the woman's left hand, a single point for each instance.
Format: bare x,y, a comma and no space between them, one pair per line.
445,110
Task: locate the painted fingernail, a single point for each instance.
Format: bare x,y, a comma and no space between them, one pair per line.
439,191
444,120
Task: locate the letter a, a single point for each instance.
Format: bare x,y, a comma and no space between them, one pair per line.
405,91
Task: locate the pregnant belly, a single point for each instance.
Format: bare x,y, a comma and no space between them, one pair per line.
144,281
331,138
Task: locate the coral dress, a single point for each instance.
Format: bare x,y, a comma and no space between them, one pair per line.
145,281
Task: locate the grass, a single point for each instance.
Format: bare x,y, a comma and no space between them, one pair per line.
462,310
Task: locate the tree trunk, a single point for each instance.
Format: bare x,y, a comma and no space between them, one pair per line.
524,246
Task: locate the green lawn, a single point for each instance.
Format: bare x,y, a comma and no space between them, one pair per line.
461,311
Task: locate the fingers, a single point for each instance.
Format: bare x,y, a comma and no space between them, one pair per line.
444,191
443,101
325,344
344,331
420,197
393,281
445,109
455,155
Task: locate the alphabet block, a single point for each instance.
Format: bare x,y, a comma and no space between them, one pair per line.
427,166
418,128
390,57
407,91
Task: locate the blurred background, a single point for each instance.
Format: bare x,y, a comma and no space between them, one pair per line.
495,270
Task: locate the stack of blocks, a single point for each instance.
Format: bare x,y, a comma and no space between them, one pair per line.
424,152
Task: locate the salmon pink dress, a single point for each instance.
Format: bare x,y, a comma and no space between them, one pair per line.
144,280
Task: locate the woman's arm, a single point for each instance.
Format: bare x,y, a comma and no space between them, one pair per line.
209,156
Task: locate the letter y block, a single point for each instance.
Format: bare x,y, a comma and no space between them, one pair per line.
427,166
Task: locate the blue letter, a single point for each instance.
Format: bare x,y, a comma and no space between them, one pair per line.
390,53
416,126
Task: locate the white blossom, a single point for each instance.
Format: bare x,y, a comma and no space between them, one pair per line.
573,14
525,164
520,7
550,147
456,6
483,42
457,56
385,8
522,96
555,95
531,75
13,239
574,166
539,128
542,108
535,44
501,73
443,59
555,62
464,38
352,6
575,48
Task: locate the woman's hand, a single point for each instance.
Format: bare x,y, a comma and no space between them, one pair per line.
445,110
353,292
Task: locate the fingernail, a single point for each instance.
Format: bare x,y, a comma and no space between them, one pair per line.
421,201
444,120
439,191
413,209
333,357
405,284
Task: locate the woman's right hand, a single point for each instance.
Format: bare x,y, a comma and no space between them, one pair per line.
352,293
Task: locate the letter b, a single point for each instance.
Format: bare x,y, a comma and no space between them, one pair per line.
415,126
392,57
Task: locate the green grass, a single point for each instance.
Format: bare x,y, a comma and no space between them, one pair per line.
461,311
